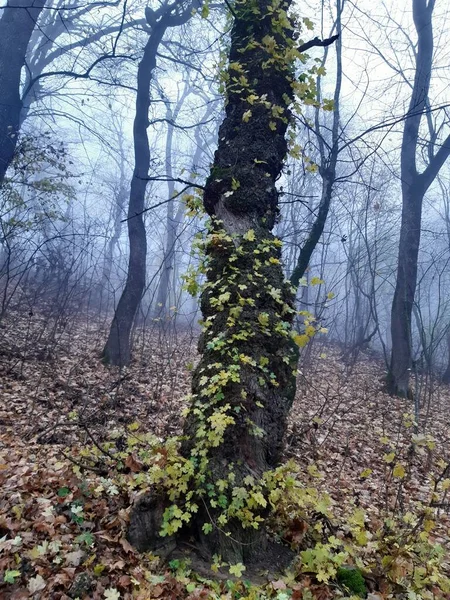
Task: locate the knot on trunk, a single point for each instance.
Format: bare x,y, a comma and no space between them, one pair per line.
145,524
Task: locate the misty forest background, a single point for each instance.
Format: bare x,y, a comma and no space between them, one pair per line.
109,123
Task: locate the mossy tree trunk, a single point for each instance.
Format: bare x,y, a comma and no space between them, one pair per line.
244,384
224,479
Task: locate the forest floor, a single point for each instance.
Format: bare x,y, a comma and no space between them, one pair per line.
62,528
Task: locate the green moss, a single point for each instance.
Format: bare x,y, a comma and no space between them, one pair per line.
353,580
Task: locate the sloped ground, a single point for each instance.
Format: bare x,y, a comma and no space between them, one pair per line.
62,529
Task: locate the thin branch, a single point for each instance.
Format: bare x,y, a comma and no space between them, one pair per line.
318,42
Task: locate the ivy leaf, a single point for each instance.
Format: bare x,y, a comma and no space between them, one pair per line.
301,340
399,471
205,11
10,576
207,528
388,458
236,569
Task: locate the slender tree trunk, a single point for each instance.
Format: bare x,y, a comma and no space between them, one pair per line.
414,187
117,350
446,375
172,220
118,211
327,167
17,23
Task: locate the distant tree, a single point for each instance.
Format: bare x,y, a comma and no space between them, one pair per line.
328,152
117,350
17,23
414,186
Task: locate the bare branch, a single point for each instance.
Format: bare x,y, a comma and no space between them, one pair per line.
318,42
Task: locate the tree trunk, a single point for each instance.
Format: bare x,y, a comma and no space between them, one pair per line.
117,350
172,220
327,167
244,384
247,305
414,187
16,27
446,375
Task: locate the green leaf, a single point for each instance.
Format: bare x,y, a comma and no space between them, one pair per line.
388,458
205,11
207,528
236,569
10,576
399,471
86,537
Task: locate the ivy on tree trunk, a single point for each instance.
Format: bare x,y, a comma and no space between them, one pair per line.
244,384
245,379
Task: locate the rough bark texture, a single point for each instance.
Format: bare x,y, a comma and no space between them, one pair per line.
17,23
241,195
247,305
414,187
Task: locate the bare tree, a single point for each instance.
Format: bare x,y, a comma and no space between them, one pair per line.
329,153
117,350
414,186
17,24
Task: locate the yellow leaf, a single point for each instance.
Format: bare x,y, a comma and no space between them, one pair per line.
366,473
246,116
388,458
301,340
316,281
205,11
250,235
399,471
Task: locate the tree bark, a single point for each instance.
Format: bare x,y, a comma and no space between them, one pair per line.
414,187
244,384
446,375
16,27
253,326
